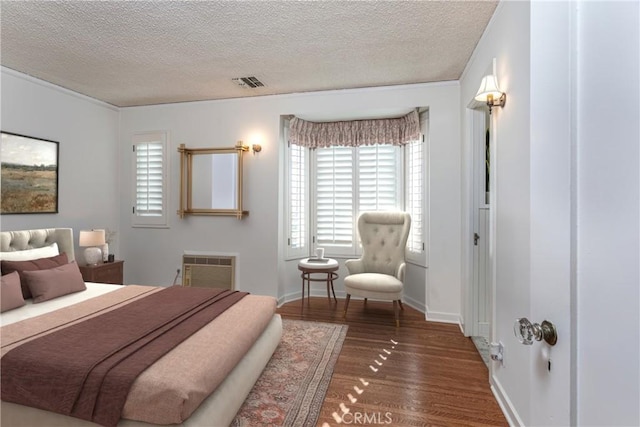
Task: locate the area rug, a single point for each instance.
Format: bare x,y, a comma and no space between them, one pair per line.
292,387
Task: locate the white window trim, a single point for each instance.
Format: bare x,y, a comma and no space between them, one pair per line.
161,221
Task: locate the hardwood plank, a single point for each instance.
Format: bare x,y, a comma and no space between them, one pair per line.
433,376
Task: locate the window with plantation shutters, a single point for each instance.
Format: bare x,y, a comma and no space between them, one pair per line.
415,195
150,174
379,178
297,190
334,197
348,181
328,187
415,198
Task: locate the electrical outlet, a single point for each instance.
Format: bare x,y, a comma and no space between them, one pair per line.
497,352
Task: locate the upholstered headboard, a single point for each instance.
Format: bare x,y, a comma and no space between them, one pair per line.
30,239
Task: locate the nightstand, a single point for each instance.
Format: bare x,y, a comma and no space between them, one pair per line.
108,272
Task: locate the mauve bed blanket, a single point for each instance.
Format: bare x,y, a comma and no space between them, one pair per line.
160,394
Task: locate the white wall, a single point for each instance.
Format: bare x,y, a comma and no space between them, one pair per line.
87,132
569,161
155,254
608,214
507,39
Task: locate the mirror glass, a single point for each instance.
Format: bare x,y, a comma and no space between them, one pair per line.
214,181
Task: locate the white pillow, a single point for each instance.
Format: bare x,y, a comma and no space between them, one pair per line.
29,254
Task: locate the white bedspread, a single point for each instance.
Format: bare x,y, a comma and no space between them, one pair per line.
32,310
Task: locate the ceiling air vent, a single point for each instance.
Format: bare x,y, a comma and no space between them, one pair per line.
248,82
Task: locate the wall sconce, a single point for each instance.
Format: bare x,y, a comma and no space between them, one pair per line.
256,148
489,92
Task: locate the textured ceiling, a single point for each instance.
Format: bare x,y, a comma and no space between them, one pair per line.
138,53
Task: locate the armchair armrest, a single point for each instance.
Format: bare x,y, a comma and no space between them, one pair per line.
400,272
355,266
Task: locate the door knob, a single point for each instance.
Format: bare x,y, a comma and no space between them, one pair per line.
526,332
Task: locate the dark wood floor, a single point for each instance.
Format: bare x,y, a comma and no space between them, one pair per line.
433,376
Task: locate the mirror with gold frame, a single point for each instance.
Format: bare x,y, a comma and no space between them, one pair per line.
211,181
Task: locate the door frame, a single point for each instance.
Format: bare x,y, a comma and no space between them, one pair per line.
476,128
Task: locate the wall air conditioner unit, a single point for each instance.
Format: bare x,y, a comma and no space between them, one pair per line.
209,271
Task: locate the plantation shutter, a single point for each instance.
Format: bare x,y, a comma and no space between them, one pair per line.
379,178
334,196
297,199
415,195
150,198
149,182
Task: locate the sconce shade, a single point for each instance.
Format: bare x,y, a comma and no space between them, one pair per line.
92,238
488,89
490,94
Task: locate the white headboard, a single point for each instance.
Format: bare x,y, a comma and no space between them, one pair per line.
29,239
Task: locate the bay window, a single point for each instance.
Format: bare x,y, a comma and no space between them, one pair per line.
328,186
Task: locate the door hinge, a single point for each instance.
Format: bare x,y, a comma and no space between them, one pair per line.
476,237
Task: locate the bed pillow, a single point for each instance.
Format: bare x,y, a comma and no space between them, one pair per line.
29,254
10,292
54,282
34,264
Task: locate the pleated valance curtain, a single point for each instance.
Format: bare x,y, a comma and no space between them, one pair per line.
398,131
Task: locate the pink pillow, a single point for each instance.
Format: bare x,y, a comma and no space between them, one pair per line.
54,282
34,264
10,292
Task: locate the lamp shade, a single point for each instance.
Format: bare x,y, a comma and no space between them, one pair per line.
488,86
92,238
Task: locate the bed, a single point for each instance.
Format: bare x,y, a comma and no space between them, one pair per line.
163,394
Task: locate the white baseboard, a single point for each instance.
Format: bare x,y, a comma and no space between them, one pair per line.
438,316
504,402
414,303
293,296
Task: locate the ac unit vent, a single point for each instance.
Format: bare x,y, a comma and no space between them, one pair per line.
205,271
248,82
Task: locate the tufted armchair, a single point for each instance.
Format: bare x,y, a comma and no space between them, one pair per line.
379,274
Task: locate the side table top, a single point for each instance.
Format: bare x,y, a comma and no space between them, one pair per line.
305,264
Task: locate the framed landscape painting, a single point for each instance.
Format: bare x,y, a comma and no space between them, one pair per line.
29,175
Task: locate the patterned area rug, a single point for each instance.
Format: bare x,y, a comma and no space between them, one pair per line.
292,387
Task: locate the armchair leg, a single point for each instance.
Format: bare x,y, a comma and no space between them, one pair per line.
365,301
401,306
396,312
346,305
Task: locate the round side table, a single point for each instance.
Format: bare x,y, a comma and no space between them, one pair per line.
308,267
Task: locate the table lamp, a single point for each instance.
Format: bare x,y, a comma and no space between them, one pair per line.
91,239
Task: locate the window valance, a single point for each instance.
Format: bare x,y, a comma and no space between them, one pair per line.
398,131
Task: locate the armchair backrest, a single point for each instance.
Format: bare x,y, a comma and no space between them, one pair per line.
384,238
